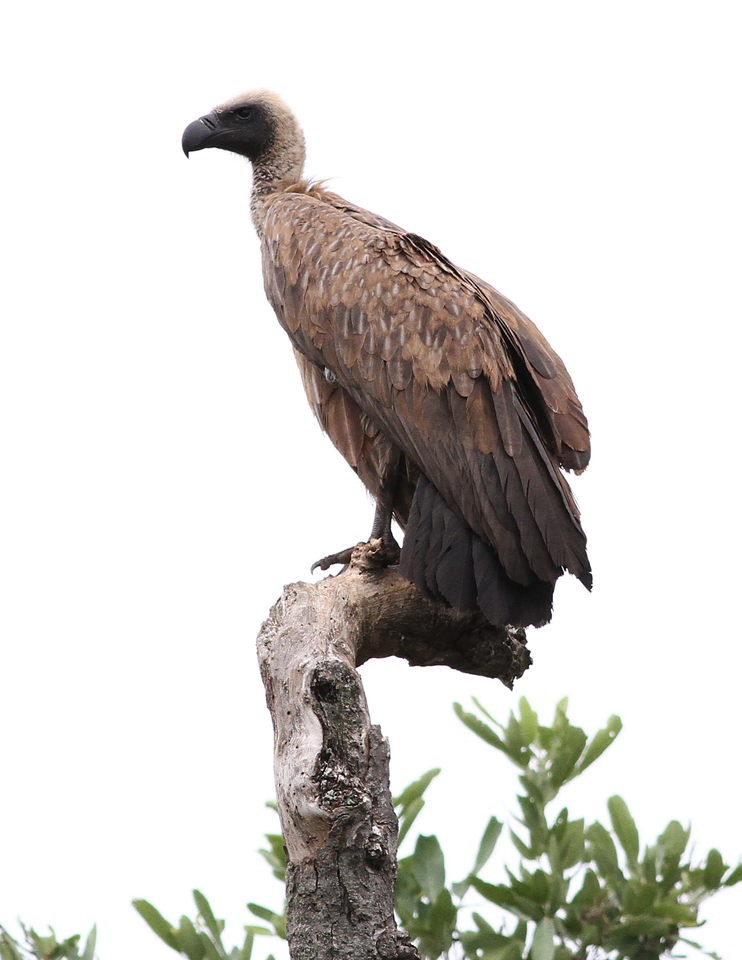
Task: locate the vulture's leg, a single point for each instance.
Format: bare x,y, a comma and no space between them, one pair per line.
382,525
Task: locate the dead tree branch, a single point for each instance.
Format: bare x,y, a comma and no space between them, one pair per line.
332,764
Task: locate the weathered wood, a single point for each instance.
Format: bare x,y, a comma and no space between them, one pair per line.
332,764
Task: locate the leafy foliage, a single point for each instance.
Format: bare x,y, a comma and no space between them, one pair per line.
577,891
573,891
201,938
46,947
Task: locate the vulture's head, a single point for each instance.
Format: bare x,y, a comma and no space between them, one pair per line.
256,125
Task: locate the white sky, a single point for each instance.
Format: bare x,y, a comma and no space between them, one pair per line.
162,476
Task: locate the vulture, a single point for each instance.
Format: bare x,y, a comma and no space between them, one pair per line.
447,401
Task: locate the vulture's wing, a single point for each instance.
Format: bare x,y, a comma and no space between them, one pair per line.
449,371
363,444
544,381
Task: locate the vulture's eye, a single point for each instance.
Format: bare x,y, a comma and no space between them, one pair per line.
244,113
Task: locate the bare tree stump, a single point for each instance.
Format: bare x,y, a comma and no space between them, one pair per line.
332,764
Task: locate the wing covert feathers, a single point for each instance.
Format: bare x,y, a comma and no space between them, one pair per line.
400,351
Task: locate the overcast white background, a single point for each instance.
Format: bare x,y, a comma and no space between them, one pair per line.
162,476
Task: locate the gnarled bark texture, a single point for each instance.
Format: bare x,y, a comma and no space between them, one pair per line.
332,764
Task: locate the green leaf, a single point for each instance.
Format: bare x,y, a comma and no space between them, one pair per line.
277,920
265,913
534,887
734,877
478,943
560,710
406,892
528,721
459,887
675,912
566,844
516,745
590,892
9,947
504,896
600,743
246,952
562,953
407,818
479,727
164,930
40,945
573,846
89,951
638,897
416,789
485,939
513,951
487,844
674,839
642,927
494,892
212,951
603,850
714,870
478,704
670,848
428,866
276,855
528,853
567,754
533,814
533,790
440,925
543,946
190,942
625,829
483,926
203,906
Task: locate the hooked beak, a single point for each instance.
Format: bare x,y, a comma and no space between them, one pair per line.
199,134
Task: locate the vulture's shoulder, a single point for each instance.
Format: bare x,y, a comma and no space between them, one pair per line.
396,310
306,203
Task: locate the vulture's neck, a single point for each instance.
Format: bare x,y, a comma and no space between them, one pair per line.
278,167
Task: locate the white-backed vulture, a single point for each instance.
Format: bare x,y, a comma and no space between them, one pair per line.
445,399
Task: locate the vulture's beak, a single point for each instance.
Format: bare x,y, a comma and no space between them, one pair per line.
199,134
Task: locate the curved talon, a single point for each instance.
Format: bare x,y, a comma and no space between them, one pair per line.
342,557
389,551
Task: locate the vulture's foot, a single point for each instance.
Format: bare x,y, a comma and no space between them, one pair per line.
332,559
388,553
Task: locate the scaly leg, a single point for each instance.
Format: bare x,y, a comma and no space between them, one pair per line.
382,525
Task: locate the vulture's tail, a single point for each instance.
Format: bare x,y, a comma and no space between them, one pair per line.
448,561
